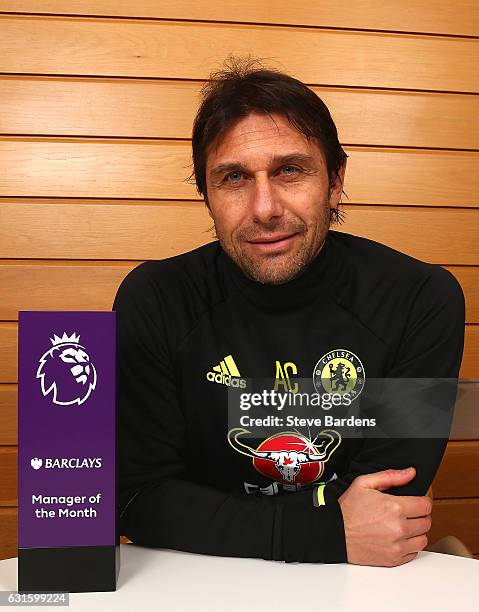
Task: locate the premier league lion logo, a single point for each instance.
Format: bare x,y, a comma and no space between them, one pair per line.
66,371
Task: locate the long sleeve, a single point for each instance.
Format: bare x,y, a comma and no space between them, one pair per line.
431,347
161,505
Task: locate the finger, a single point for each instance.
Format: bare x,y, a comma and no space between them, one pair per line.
414,506
414,545
418,526
386,479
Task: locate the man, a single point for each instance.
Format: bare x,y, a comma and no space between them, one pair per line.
277,290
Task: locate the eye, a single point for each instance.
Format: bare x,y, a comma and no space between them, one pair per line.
236,176
67,358
290,170
68,355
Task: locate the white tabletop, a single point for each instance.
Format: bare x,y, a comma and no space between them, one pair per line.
158,579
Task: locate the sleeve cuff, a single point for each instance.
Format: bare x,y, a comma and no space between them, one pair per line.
333,490
312,534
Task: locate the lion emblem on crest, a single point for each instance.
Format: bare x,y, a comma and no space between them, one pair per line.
66,371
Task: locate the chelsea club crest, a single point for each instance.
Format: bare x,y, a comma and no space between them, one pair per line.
339,371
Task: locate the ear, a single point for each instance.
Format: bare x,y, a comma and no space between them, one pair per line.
337,188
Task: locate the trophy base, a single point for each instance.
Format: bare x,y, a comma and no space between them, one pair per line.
73,569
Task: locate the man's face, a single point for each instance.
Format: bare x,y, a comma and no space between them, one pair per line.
269,197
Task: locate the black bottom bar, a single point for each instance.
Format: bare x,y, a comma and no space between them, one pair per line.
74,569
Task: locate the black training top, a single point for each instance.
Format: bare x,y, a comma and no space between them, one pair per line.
192,326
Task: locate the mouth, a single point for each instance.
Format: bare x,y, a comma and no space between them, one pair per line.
272,243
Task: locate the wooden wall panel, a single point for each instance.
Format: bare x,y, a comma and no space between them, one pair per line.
406,229
470,361
68,285
8,356
126,230
457,476
8,476
159,169
8,414
136,48
165,109
130,230
468,277
8,533
431,16
457,517
91,285
135,169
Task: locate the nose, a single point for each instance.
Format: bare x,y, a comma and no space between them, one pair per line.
265,203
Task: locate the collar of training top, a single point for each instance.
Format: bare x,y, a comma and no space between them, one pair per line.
313,282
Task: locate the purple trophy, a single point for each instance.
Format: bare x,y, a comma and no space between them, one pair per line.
68,530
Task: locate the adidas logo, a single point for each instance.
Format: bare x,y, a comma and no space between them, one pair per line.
226,373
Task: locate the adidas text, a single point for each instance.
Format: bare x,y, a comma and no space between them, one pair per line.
226,379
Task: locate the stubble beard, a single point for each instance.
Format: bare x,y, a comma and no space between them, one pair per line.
278,268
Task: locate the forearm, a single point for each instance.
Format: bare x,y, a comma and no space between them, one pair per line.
424,454
184,515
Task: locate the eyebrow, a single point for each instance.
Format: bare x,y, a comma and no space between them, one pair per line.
290,158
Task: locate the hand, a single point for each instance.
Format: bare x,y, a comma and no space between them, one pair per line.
381,529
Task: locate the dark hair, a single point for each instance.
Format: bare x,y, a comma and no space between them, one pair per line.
244,86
